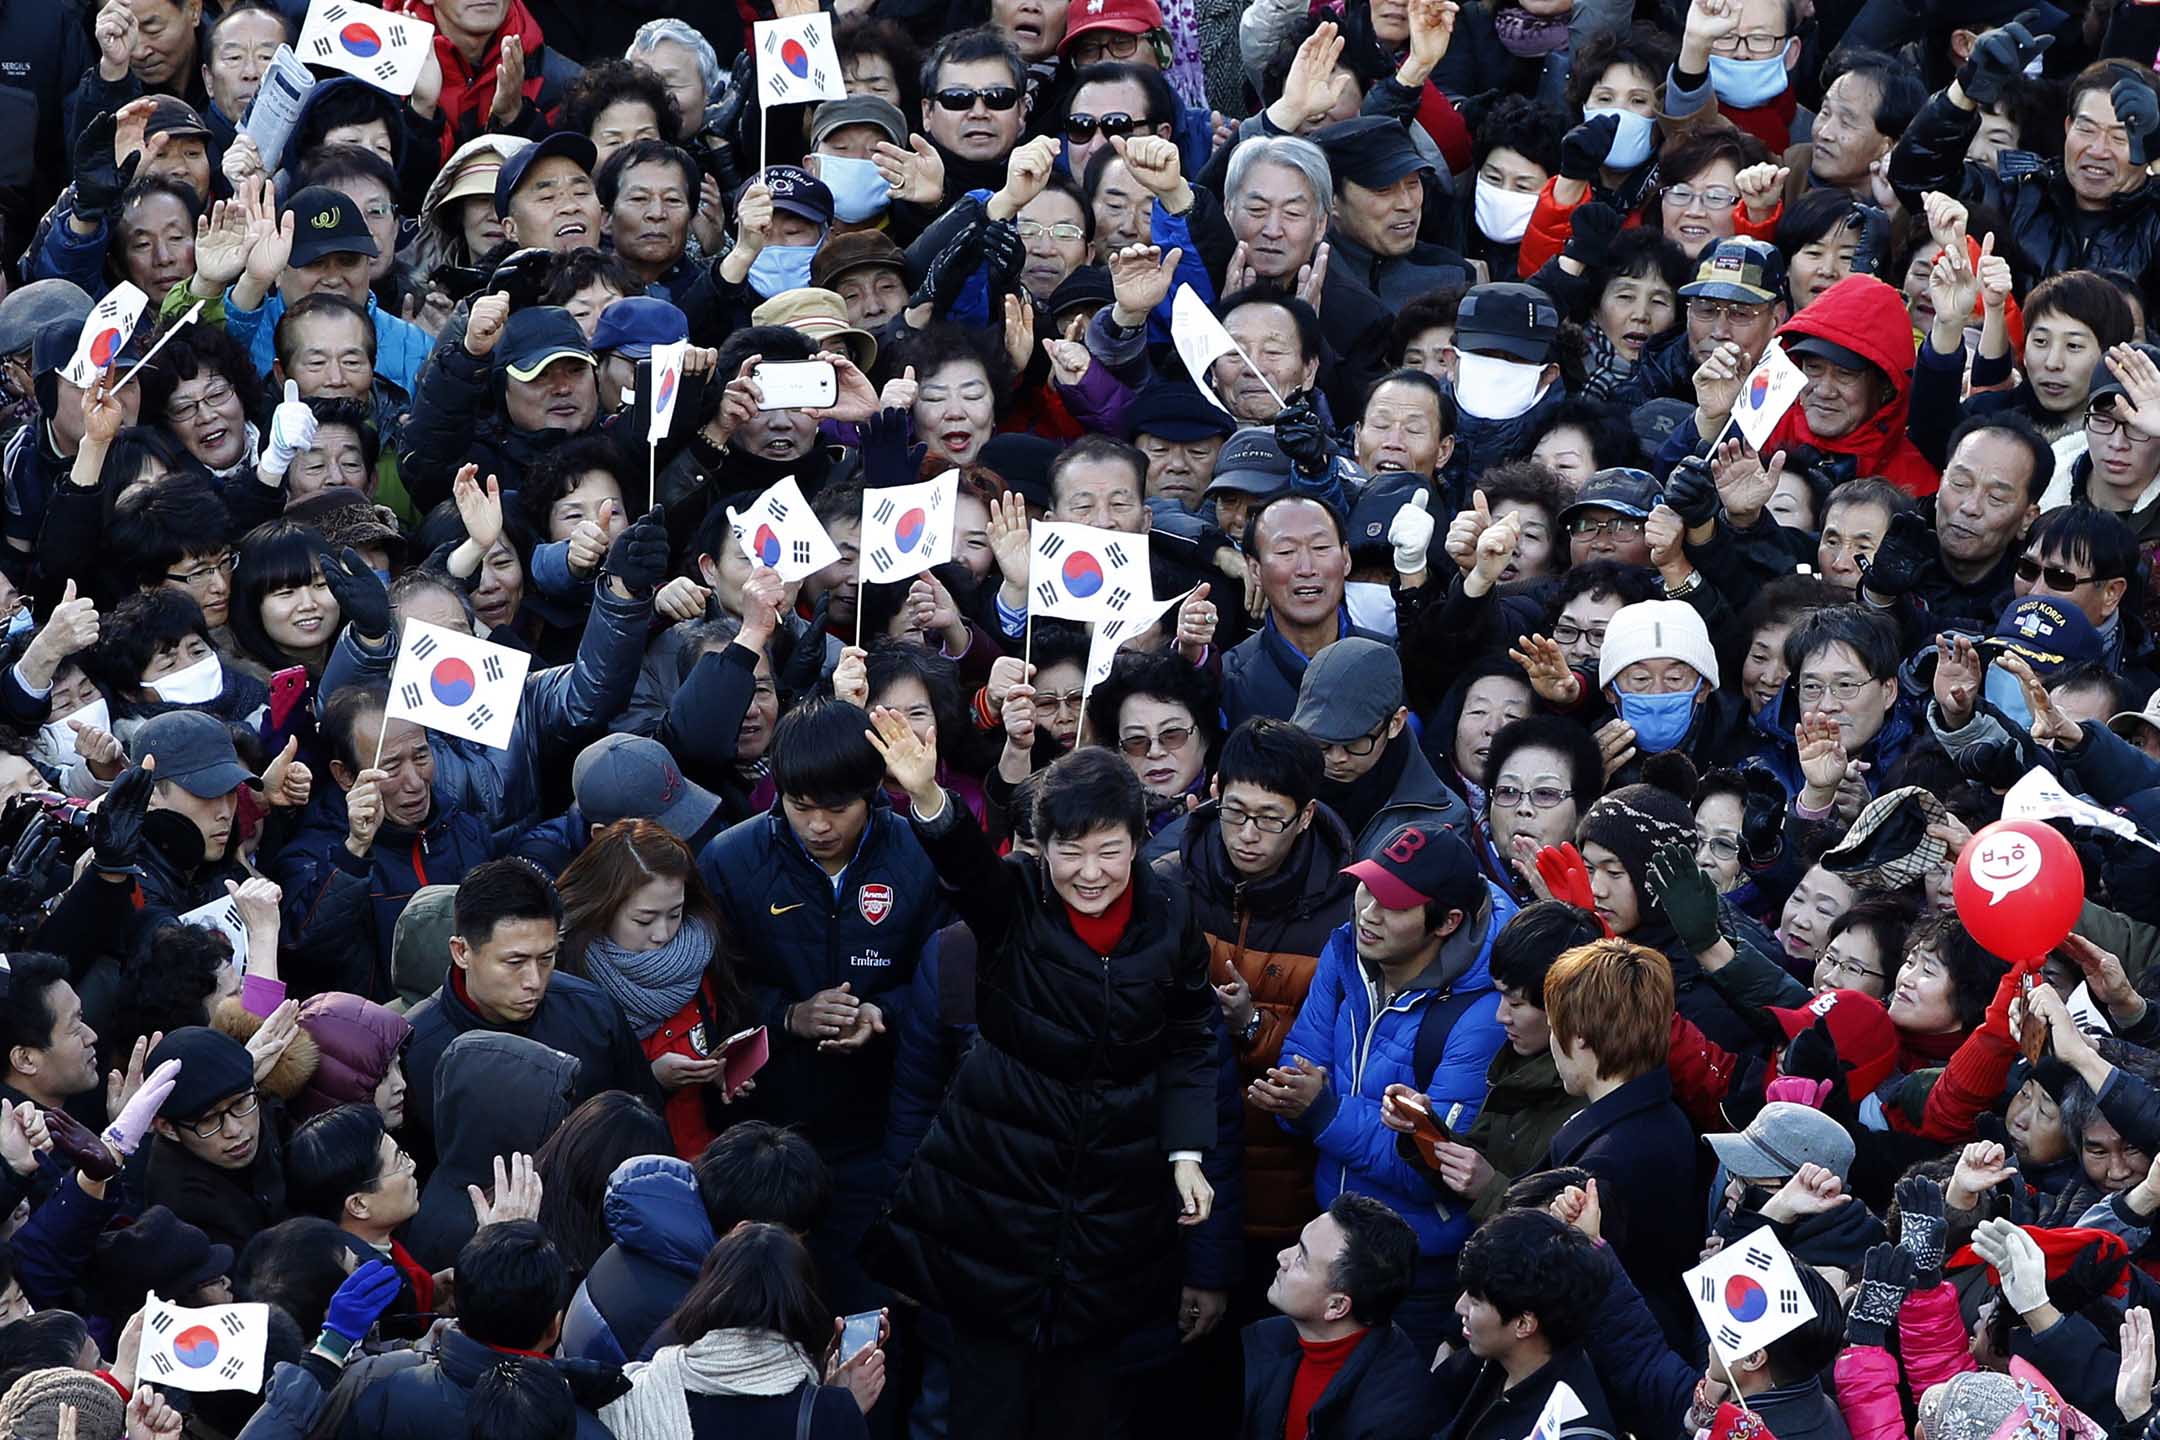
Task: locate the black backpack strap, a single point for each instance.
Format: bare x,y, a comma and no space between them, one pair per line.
1435,1023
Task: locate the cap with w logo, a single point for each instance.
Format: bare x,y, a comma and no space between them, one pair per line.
326,222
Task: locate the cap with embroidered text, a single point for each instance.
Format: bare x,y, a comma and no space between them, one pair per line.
327,222
1421,863
798,192
1749,271
2048,633
1251,461
1126,17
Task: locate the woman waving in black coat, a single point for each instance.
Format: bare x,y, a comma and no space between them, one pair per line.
1037,1213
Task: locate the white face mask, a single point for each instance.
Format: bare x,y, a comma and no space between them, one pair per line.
1495,389
1502,215
1631,143
198,684
60,735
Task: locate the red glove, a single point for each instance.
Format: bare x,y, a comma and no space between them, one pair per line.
1567,878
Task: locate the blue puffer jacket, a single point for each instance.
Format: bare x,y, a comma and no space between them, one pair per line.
661,1235
1366,1048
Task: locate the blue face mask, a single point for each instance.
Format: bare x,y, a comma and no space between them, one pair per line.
21,623
1659,721
780,268
859,192
2003,692
1631,145
1747,83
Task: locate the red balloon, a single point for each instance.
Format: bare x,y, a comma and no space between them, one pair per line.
2018,888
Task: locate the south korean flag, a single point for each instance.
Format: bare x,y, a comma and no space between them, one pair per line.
1080,572
219,1347
388,51
907,529
1748,1295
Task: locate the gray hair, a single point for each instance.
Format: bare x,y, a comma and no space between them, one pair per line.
653,32
1308,159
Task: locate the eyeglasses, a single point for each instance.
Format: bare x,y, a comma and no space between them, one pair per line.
2099,422
1846,691
1067,703
203,574
186,412
2032,572
960,97
1117,125
1112,43
1724,847
1710,312
210,1125
1169,741
1714,197
1362,746
1621,527
1543,797
1062,230
1235,819
1754,47
1834,966
1569,633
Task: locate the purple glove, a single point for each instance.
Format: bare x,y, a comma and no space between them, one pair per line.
133,1122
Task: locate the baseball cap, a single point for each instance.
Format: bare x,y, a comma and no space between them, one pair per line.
2104,381
797,191
821,315
633,777
538,335
1844,356
566,143
2047,633
1369,150
634,324
1516,320
1176,412
1349,688
213,1067
1251,461
1127,17
1657,630
852,251
170,115
1619,488
1087,285
1780,1139
1751,272
1421,863
1860,1029
858,110
1888,845
195,751
327,222
30,309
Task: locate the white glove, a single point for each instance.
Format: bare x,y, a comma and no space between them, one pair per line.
1411,532
2018,1262
292,430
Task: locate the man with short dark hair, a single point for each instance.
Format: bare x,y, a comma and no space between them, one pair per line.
1960,573
1301,552
345,1167
1380,180
1333,1362
1530,1287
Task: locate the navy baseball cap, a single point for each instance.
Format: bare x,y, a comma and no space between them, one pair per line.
194,750
1253,462
1176,412
2048,634
1621,489
1369,150
1421,863
566,143
535,337
634,324
796,190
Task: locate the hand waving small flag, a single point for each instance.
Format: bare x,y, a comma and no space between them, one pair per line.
106,331
457,685
386,50
216,1348
1080,572
1748,1294
906,529
667,374
796,61
1766,394
779,532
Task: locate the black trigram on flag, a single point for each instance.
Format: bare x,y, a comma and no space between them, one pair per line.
491,668
1115,554
817,76
160,1321
1049,592
1728,1337
801,551
881,559
335,13
323,48
1757,1258
410,695
1118,598
398,38
937,498
386,69
161,1362
231,1324
778,510
478,718
1053,545
884,512
1788,1302
423,646
232,1367
777,84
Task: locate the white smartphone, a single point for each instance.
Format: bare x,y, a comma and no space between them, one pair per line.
860,1333
796,384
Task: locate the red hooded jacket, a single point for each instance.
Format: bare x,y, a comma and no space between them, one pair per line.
1868,318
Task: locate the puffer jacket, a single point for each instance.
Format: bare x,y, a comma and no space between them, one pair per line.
1269,932
473,1127
662,1234
1366,1046
1868,317
1040,1205
358,1041
428,1401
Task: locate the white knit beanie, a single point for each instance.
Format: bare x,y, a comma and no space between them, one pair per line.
1657,630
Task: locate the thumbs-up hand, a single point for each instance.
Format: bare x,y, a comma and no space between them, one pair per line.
1411,532
73,624
1465,529
292,430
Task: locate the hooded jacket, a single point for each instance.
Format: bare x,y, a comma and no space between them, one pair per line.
428,1401
473,1126
357,1041
1367,1043
1868,317
662,1234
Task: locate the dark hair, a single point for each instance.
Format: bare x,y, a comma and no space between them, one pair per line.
1809,1350
138,191
332,163
2086,535
982,42
132,634
2094,302
1815,215
557,472
160,523
28,1017
1433,309
1603,423
856,35
892,661
2088,677
1641,47
355,414
333,1155
1885,920
233,12
1641,252
1528,944
310,307
276,555
1781,602
1538,1189
1087,790
1687,155
1526,482
931,349
198,351
1157,675
607,185
1526,1262
2104,76
1974,973
1899,90
821,753
498,890
521,1398
1867,490
297,1265
1098,448
170,981
2020,429
575,1162
47,1340
1516,122
1162,105
571,272
1303,318
1871,634
1265,503
761,1172
1628,583
1273,755
339,105
1586,767
510,1285
1378,1261
1416,379
758,1277
607,82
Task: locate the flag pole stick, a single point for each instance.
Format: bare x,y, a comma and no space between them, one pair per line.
1730,1383
1273,393
181,324
860,586
381,735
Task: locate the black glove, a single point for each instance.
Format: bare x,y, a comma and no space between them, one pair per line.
887,458
1872,255
1886,1278
1692,493
1997,762
1004,252
639,557
1921,1227
1813,1055
1762,818
950,269
34,848
1896,566
2139,110
360,595
2000,56
1302,437
725,114
1584,148
523,276
2093,1272
99,179
1686,895
116,828
593,1384
1591,231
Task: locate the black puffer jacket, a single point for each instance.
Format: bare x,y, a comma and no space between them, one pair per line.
1041,1204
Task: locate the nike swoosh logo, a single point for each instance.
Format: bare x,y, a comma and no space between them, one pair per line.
783,909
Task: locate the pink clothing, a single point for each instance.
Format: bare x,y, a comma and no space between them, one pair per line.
1867,1393
1932,1338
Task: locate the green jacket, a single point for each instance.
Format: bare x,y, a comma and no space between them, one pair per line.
1525,1106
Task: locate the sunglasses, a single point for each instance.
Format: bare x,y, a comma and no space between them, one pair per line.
1171,739
1080,127
2032,571
959,98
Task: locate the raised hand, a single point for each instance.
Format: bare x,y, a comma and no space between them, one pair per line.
2049,725
1196,619
364,811
362,598
1744,484
916,174
1155,165
1616,745
1464,530
509,96
2141,384
1410,532
115,35
222,244
910,761
480,508
1140,276
1999,57
1027,171
1946,219
1718,380
1545,663
1308,92
1432,30
517,1193
1762,188
1958,670
484,323
267,1045
1822,752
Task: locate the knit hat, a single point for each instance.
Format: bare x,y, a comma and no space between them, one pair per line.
1989,1405
1632,822
213,1068
1657,630
31,1408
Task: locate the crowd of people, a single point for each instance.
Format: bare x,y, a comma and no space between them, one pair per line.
1670,470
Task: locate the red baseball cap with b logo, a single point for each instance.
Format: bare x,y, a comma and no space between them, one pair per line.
1421,863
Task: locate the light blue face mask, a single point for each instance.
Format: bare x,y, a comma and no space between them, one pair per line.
22,622
859,192
1747,83
780,268
1659,721
1631,145
2003,692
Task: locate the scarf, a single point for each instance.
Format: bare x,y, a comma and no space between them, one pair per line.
719,1362
651,985
1101,933
1528,36
1357,801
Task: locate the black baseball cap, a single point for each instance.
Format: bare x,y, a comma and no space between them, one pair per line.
1087,285
1369,150
1251,461
2104,381
194,750
1840,355
537,336
566,143
796,190
327,222
1510,318
1421,863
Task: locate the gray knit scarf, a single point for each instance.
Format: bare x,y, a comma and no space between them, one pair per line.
651,985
